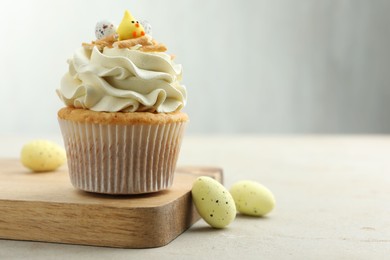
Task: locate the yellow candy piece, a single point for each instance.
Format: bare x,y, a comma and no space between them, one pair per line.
42,156
252,198
129,28
213,202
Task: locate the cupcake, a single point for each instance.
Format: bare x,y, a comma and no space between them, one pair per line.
122,125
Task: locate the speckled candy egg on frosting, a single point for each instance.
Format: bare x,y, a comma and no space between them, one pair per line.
104,28
213,202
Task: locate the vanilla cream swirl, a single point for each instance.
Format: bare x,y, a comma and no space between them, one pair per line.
123,80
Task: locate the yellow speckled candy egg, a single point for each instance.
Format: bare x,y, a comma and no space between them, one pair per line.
42,156
213,201
252,198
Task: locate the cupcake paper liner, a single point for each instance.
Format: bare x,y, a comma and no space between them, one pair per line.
121,159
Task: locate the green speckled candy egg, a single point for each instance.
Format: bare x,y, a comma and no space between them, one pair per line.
213,201
42,155
252,198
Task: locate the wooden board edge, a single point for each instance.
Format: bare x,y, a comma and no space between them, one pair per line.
55,231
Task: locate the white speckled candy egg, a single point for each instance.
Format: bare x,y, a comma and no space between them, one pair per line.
252,198
213,201
42,156
147,27
104,28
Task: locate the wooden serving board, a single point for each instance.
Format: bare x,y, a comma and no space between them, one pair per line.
46,207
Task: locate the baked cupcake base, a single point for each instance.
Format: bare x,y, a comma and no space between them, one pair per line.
121,153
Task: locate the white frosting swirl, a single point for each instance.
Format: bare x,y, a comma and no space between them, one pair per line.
123,80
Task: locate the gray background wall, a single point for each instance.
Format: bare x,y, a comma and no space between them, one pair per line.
281,66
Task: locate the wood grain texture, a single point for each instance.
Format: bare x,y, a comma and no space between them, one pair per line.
45,207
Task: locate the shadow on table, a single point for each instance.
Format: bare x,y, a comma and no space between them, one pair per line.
204,229
207,228
247,217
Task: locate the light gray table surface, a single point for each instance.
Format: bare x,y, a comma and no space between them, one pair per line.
332,194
